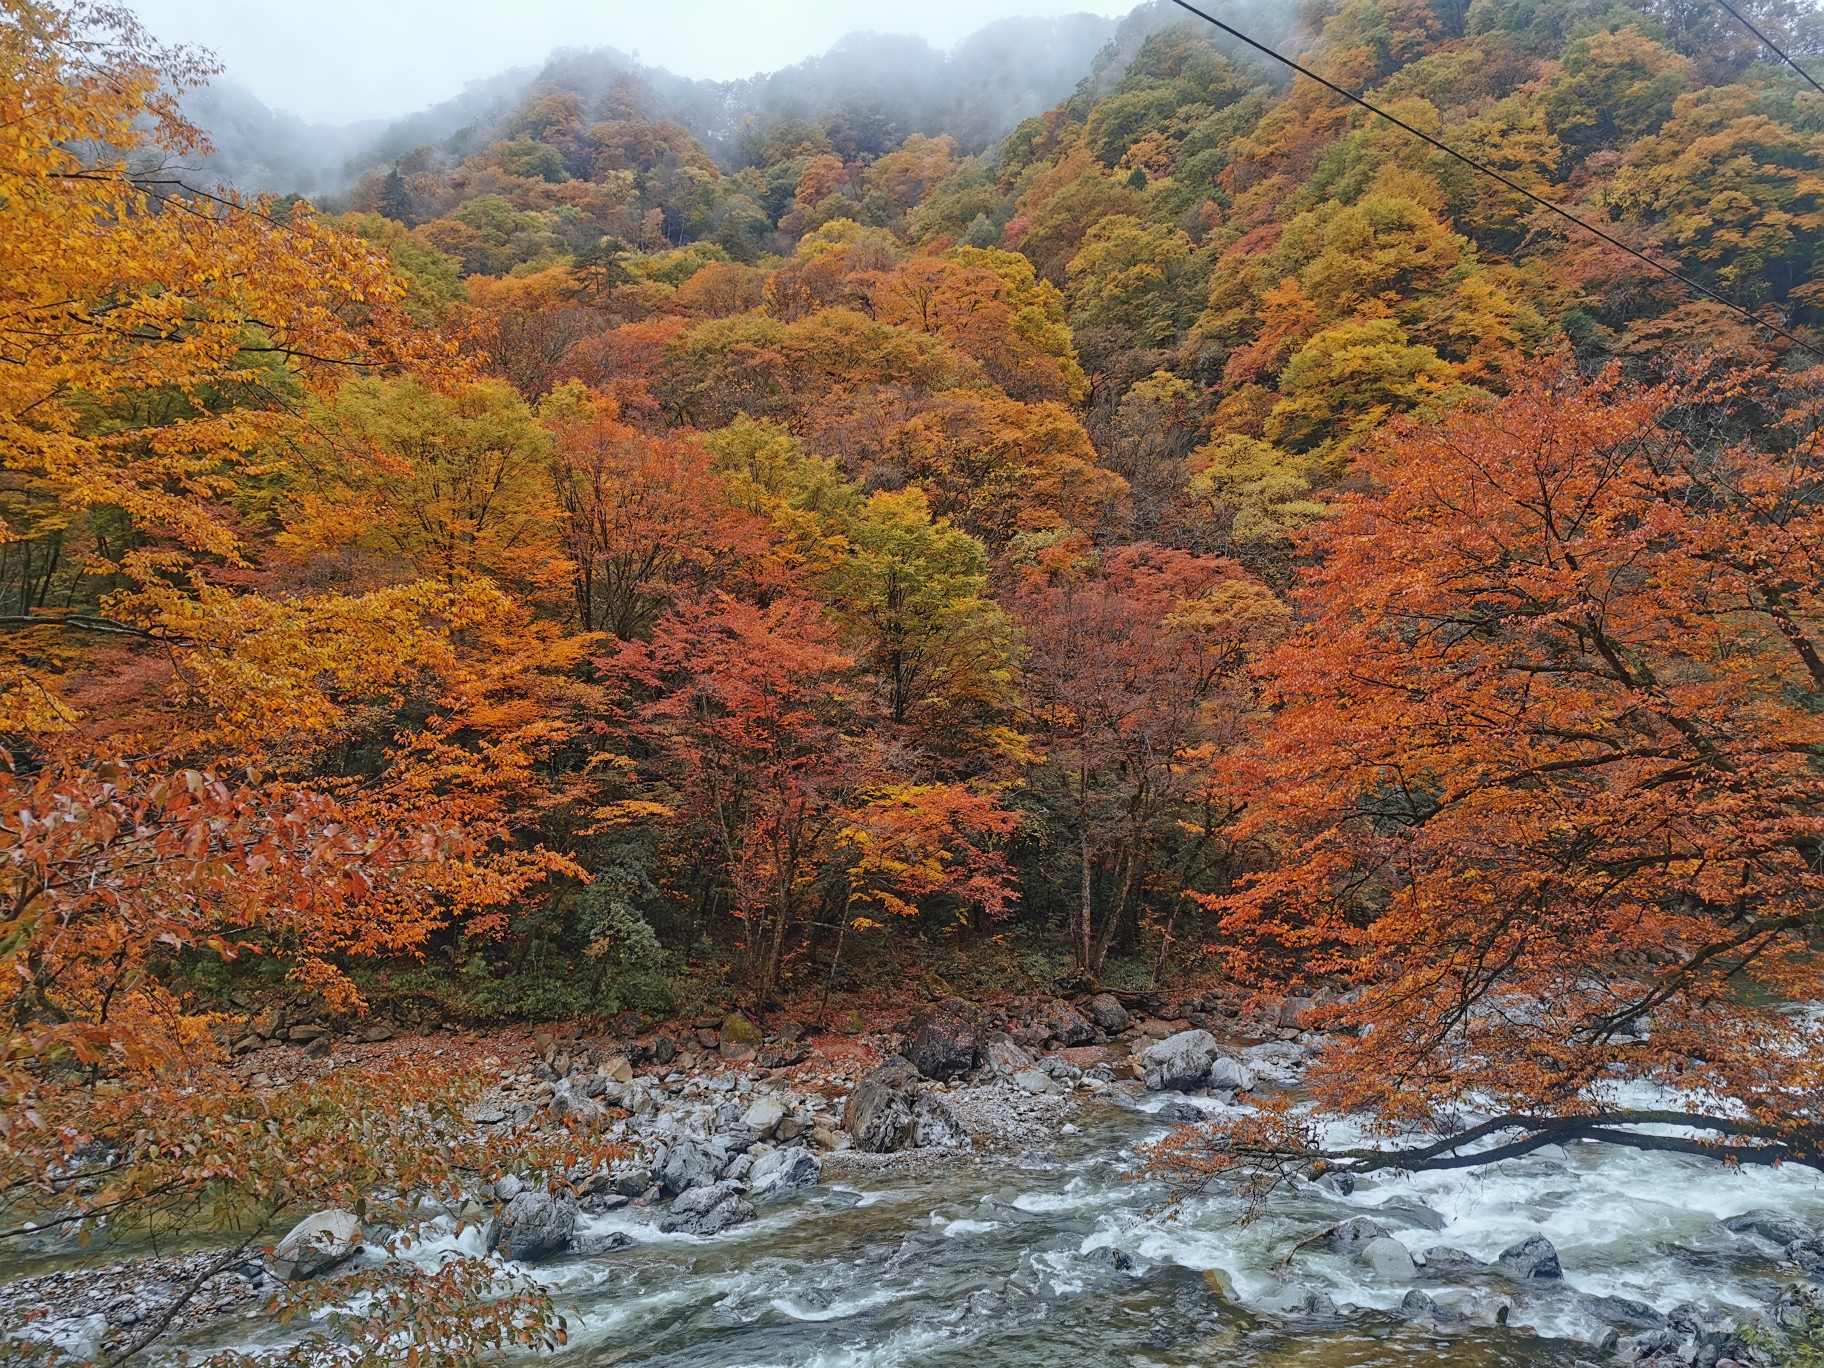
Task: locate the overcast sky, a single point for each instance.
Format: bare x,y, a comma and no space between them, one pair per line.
339,60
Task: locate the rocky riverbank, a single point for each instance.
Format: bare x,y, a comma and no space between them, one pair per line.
719,1117
722,1122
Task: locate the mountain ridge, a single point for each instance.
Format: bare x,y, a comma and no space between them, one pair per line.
976,91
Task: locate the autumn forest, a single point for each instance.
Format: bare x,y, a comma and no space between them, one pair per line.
1201,547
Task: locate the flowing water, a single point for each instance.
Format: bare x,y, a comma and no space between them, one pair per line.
1010,1263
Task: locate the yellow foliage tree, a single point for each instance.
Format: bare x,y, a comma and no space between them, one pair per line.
152,335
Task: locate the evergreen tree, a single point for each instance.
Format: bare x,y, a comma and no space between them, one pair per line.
395,199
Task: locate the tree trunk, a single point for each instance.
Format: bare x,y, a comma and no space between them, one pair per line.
1083,860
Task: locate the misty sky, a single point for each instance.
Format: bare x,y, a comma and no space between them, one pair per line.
339,60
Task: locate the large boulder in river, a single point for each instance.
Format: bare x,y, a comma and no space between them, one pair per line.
947,1041
1443,1261
1180,1062
784,1170
1352,1234
1387,1258
1422,1306
534,1224
1230,1075
1776,1227
1623,1313
1533,1258
879,1111
708,1210
315,1245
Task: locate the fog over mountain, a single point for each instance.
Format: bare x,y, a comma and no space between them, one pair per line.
883,85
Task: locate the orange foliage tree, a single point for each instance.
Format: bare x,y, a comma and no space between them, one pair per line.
1543,789
155,344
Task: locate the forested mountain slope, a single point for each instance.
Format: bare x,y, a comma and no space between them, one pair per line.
1016,443
627,558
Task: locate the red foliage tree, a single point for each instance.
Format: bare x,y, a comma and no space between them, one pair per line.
1544,785
1127,654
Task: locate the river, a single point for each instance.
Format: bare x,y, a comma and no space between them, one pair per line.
1012,1264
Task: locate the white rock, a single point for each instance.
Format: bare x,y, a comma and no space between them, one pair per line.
783,1170
1230,1075
763,1115
1181,1062
73,1337
1387,1258
315,1245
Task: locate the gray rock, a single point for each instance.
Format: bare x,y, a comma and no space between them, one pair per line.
947,1041
1004,1057
613,1242
691,1163
1292,1009
1284,1053
1110,1257
708,1210
934,1125
1808,1255
75,1338
1231,1075
1301,1301
1355,1231
764,1115
570,1099
534,1224
1034,1081
1408,1212
1445,1262
1179,1062
1635,1348
1623,1313
1714,1333
1180,1113
783,1171
1386,1258
315,1245
1795,1308
879,1111
1776,1227
630,1180
1067,1025
1417,1305
1107,1012
1533,1258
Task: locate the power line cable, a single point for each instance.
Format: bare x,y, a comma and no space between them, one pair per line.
1490,171
1777,50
